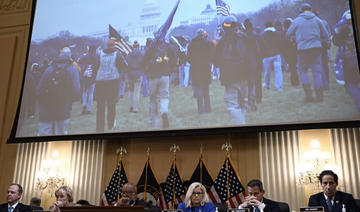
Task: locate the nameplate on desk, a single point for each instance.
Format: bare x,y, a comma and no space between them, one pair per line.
312,208
238,210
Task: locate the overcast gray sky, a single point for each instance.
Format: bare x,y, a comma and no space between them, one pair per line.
83,17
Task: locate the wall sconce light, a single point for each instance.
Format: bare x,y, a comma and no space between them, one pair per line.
51,176
316,162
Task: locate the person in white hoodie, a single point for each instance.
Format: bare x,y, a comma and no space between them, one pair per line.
311,36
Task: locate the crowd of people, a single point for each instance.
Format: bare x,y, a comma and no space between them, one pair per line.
243,59
197,199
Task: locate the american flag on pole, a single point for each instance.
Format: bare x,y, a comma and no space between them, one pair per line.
222,8
120,42
227,187
173,191
112,191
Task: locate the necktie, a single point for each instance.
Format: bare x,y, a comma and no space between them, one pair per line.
10,209
329,204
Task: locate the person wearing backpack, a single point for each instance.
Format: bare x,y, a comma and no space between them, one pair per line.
235,72
107,85
58,88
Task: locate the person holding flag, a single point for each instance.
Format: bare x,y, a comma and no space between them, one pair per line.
160,61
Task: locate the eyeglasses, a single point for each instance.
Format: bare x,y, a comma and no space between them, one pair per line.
127,192
197,193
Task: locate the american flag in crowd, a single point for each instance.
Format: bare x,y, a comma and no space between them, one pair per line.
222,8
112,191
120,42
228,181
173,187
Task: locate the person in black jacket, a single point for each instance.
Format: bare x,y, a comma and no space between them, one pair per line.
13,196
231,57
159,61
272,58
200,54
255,201
331,199
129,198
134,73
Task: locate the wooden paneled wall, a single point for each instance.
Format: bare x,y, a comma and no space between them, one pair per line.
244,154
14,31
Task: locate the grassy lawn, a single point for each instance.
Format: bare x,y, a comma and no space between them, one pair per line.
276,108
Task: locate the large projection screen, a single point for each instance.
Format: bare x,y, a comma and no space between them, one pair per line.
147,67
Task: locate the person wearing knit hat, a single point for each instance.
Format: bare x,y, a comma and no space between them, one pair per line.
305,7
311,37
58,88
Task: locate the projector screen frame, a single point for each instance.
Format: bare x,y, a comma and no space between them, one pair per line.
181,132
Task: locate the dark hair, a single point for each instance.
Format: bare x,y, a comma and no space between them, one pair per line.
248,25
269,24
20,189
83,202
328,172
36,201
255,182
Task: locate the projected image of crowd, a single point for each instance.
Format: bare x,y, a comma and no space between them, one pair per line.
195,78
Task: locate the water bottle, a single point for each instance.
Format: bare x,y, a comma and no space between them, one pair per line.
216,209
343,209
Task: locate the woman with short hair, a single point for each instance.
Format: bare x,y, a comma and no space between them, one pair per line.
64,197
197,200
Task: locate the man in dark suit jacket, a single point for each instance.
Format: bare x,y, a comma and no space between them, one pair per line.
13,196
255,201
35,203
331,199
129,198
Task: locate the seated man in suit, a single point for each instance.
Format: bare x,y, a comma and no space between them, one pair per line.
331,199
35,203
13,196
129,198
255,200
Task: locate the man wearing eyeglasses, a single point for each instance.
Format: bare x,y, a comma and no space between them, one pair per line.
255,200
129,198
331,199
